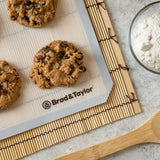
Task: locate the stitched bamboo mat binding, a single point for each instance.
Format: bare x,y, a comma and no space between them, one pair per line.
122,101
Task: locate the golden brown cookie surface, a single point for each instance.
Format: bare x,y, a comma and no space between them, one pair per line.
32,13
9,84
57,64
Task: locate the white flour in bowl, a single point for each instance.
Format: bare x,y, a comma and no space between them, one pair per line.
146,41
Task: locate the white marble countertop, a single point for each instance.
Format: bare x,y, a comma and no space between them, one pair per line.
147,86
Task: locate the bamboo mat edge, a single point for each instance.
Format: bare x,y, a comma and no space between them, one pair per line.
120,59
52,133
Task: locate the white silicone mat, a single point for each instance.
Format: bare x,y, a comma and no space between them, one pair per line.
18,44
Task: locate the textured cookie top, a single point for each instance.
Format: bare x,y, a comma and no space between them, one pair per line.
9,84
57,64
33,13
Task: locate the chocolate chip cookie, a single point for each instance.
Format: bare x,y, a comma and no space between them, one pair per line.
59,63
32,13
9,84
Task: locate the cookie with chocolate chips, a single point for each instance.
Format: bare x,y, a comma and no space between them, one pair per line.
9,84
59,63
32,13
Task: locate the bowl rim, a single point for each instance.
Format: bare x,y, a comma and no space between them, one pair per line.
130,42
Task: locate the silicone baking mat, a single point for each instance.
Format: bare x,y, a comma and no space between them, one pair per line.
121,103
36,107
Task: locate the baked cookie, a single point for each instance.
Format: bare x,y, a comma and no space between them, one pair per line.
57,64
9,84
32,13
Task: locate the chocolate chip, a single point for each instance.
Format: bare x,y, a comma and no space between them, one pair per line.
75,49
40,73
28,3
84,69
25,18
3,91
61,54
71,66
79,53
72,69
44,4
66,57
13,18
81,68
45,50
38,58
36,23
80,58
73,77
48,80
49,57
71,54
77,62
1,86
65,45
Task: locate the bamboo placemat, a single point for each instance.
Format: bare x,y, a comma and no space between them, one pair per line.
122,102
